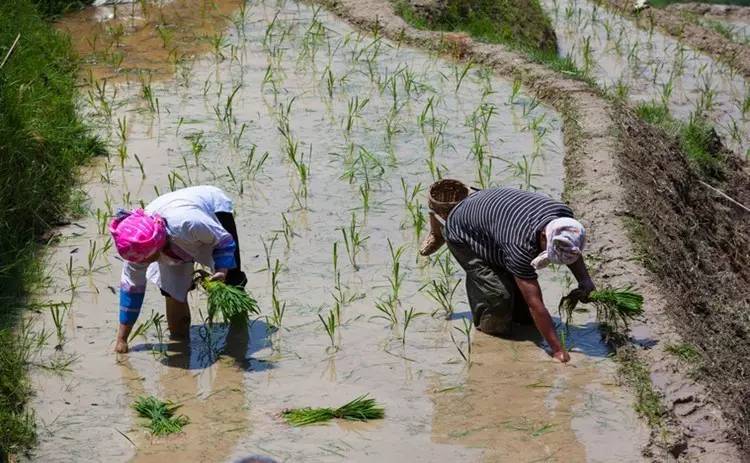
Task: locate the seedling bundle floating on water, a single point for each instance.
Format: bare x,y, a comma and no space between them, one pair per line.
359,409
234,304
615,307
162,415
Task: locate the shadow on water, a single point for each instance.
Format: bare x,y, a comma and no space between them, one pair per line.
208,343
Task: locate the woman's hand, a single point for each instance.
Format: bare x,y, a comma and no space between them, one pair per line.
220,274
561,356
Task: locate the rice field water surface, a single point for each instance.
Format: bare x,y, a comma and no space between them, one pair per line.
643,65
326,138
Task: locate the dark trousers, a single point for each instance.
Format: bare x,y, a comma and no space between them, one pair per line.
235,276
494,297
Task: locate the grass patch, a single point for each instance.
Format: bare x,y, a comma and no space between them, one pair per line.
663,3
521,24
698,140
54,8
635,374
17,427
685,352
359,409
42,143
481,29
161,415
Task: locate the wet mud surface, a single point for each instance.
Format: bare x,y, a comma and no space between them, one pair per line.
213,125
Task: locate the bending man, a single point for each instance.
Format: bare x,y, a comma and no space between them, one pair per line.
500,237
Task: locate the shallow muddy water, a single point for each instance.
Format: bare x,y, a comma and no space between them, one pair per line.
296,83
647,65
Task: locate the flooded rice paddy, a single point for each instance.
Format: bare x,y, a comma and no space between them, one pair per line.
326,139
644,65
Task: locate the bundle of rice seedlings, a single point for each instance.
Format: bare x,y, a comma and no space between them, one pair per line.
234,304
615,307
359,409
162,415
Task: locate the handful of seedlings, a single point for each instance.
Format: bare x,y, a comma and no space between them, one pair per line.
359,409
615,307
234,304
162,415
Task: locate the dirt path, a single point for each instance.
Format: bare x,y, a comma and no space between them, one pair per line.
706,40
595,191
731,12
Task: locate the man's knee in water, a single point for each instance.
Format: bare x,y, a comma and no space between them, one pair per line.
495,323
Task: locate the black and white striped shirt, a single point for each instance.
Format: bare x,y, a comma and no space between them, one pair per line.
501,225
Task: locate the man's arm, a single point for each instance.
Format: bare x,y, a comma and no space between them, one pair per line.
585,284
532,293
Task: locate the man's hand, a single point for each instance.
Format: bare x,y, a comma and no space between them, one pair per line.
220,274
561,356
585,288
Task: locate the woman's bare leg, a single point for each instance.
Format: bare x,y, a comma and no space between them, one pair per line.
178,318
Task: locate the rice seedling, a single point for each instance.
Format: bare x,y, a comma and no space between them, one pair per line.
252,165
409,316
161,415
387,309
364,194
72,279
396,278
277,306
156,322
140,166
442,293
142,328
417,217
515,90
233,303
196,146
464,349
102,221
354,241
268,250
461,74
329,324
58,312
147,92
218,42
360,409
355,106
410,195
615,307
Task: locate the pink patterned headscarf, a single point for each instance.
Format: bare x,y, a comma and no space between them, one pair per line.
566,239
137,235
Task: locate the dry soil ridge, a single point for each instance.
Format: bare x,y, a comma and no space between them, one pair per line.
697,430
733,54
738,12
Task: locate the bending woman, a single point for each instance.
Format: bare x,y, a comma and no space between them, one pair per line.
163,242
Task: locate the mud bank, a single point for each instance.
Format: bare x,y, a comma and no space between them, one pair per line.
595,152
706,40
731,12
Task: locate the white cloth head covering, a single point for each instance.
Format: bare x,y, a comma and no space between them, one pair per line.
566,239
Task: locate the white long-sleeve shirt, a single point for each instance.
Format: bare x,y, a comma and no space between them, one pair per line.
194,234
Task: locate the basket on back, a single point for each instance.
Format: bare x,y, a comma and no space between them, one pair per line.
442,197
